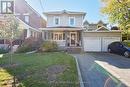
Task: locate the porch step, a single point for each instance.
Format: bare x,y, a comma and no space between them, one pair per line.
74,50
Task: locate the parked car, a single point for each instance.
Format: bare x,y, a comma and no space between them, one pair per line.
119,48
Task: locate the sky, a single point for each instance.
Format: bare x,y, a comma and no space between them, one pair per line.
91,7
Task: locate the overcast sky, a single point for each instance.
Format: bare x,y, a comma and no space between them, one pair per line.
91,7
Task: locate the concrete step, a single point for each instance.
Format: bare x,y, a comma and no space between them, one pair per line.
74,50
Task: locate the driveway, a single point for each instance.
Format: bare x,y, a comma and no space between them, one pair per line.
94,75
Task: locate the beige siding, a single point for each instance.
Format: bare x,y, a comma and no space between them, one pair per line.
64,20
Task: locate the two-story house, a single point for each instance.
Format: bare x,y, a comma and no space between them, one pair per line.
68,30
28,18
64,27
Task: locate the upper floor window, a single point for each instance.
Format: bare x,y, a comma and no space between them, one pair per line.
26,18
71,21
57,20
7,7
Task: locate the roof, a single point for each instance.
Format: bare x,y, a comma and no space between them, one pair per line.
26,26
111,31
63,27
103,28
85,22
60,29
100,22
64,12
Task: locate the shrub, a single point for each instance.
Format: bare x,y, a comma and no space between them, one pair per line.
30,44
3,50
24,49
49,46
127,43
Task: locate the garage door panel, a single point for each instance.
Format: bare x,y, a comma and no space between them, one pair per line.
98,44
92,44
108,40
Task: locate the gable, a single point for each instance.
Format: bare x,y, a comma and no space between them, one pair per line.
103,28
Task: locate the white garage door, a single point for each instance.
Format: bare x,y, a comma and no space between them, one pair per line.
98,44
92,44
108,40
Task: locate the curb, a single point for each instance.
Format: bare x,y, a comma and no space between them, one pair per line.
79,73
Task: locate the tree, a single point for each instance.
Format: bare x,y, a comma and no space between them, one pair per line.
10,30
9,27
118,12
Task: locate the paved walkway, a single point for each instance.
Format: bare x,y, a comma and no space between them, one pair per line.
91,74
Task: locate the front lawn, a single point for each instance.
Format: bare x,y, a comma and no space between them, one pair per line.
39,70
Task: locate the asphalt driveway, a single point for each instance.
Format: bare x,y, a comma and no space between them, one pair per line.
95,76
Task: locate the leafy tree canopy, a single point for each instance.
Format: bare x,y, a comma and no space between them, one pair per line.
117,11
9,27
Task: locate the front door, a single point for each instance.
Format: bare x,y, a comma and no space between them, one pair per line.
73,38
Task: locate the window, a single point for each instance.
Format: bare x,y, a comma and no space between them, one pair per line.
57,20
72,21
58,36
26,18
7,7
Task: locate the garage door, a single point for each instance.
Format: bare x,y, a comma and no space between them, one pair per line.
98,44
92,44
108,40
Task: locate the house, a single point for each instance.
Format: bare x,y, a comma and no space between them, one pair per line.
70,32
92,26
65,28
28,18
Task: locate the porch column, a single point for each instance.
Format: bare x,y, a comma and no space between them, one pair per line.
28,33
67,35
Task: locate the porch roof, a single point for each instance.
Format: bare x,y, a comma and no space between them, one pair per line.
61,29
110,31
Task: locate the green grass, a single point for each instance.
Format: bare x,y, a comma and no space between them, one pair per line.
30,70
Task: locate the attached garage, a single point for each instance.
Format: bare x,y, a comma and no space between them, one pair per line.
98,41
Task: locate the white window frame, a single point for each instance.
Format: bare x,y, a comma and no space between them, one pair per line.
70,21
58,38
55,21
26,20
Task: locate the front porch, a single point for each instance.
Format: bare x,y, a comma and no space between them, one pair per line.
65,39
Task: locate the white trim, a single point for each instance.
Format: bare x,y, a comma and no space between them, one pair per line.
54,21
26,14
64,11
102,27
60,29
70,22
58,33
17,14
103,31
33,9
27,18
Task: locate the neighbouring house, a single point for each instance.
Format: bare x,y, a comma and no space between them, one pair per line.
97,37
72,34
30,20
92,26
